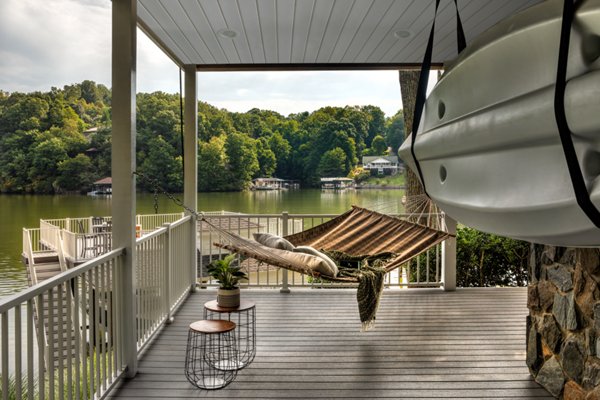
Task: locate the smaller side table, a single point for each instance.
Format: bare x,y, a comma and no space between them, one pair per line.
211,355
245,318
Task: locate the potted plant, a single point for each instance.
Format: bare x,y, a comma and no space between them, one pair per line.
228,276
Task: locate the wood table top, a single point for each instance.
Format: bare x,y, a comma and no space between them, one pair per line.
212,326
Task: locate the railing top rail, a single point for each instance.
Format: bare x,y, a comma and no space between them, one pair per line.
30,293
151,235
180,221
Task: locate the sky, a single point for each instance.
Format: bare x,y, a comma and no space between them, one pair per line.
52,43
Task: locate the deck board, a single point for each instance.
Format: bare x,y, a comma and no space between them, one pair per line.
426,344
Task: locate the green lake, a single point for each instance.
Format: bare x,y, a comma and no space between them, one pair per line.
18,211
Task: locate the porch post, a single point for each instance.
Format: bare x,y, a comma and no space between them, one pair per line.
449,257
190,151
124,16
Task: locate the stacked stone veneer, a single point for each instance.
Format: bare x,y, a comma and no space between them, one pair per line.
563,327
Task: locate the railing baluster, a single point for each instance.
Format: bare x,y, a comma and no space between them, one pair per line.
18,350
85,335
437,263
76,362
4,350
91,332
30,363
61,338
103,311
41,347
50,358
109,319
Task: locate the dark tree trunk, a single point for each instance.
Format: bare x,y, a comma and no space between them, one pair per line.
415,196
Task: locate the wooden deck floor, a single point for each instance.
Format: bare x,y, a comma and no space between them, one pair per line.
426,344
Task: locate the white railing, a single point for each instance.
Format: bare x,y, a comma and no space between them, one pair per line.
48,237
75,318
63,338
76,225
150,222
163,275
80,247
422,271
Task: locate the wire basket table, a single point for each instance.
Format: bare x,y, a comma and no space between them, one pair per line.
245,318
211,359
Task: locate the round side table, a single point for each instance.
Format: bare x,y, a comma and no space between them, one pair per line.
211,356
245,318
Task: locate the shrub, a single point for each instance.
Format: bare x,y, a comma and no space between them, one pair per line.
484,259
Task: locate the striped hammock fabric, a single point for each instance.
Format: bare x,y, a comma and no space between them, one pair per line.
358,232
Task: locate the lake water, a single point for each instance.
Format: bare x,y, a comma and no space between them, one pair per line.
18,211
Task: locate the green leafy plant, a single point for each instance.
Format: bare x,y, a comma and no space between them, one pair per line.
225,273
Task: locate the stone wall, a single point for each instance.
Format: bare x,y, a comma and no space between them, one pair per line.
563,327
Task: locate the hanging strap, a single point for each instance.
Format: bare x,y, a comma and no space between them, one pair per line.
581,193
424,79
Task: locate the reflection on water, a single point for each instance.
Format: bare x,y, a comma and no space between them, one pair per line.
18,211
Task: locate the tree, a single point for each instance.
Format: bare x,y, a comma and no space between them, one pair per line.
242,163
483,259
409,81
394,131
211,165
333,163
282,151
46,156
376,119
379,147
266,158
162,164
75,174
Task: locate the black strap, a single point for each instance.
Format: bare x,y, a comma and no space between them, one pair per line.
424,79
581,193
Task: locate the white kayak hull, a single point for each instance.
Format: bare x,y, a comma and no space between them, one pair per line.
488,144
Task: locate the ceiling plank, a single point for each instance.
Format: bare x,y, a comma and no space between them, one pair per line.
366,29
352,24
202,26
285,29
252,29
321,18
267,12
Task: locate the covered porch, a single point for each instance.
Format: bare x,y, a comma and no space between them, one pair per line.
427,343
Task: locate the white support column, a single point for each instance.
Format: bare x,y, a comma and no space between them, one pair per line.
124,17
190,151
449,257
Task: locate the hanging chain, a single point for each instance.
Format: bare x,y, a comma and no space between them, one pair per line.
158,188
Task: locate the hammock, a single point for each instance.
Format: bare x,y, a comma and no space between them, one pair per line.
359,233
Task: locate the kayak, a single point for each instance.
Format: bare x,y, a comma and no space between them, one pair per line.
488,142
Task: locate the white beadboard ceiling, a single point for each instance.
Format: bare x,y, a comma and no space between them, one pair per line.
313,33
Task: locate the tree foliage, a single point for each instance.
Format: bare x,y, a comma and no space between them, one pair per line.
60,141
484,259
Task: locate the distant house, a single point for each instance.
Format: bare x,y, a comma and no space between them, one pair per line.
89,132
382,165
101,187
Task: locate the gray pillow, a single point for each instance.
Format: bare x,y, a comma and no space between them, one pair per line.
273,241
312,251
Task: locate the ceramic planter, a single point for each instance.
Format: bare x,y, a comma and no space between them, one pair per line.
228,298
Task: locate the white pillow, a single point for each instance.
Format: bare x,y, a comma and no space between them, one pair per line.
312,251
273,241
